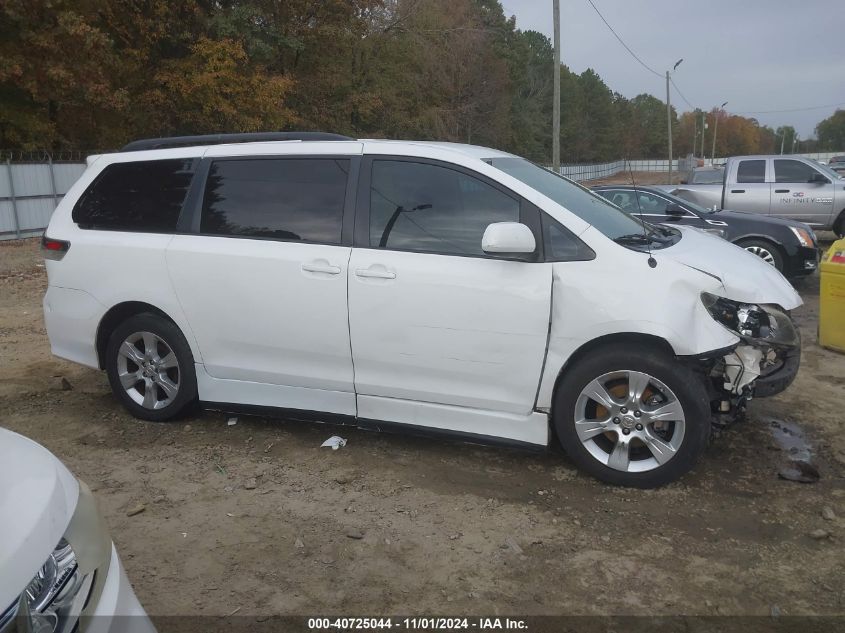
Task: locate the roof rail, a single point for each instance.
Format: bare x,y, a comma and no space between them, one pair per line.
218,139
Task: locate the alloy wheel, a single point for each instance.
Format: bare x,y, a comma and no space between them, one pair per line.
629,421
148,370
763,253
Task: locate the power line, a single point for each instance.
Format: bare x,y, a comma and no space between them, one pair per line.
678,90
821,107
621,41
681,94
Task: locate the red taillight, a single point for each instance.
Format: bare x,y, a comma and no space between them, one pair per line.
54,249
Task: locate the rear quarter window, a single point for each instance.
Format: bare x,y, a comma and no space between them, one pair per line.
144,196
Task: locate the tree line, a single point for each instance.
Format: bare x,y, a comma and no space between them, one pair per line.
94,74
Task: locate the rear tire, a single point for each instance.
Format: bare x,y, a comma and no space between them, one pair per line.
767,251
151,368
655,426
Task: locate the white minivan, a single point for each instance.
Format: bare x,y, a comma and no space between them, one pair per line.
430,287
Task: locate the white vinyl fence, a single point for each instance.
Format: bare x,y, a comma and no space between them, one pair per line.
603,170
30,191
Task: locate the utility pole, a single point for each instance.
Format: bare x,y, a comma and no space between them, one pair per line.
669,117
669,125
694,132
782,139
716,129
556,104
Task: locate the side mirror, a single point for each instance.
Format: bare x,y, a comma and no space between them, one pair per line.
509,238
674,209
818,178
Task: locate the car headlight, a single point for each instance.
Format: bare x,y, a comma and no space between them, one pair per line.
805,237
56,596
54,599
759,323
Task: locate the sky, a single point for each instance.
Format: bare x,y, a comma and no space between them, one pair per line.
758,55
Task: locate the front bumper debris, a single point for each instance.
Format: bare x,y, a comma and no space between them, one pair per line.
764,363
777,380
742,367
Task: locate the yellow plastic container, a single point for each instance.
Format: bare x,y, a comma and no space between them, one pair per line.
832,298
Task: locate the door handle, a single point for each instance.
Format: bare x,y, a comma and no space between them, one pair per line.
374,273
737,190
781,190
321,267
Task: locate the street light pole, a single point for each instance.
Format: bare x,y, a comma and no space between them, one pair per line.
669,117
716,129
556,105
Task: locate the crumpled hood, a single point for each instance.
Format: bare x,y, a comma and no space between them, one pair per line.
745,277
38,496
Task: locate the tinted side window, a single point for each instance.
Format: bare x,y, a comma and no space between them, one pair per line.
792,171
751,171
285,198
651,204
561,245
428,208
138,196
623,199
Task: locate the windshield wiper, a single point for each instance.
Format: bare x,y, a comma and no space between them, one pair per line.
641,238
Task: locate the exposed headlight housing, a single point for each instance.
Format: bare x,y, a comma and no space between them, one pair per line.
805,237
758,323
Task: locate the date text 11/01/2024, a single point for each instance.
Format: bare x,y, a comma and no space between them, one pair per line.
418,624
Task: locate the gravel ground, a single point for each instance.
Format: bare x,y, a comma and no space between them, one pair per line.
256,517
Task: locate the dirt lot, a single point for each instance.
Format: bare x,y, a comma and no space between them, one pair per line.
257,517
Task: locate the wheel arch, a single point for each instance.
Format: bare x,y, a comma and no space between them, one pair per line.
116,315
747,237
617,338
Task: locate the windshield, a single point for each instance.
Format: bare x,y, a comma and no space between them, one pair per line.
604,216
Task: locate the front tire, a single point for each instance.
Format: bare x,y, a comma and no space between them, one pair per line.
631,415
766,251
151,368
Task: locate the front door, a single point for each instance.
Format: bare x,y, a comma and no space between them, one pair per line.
263,282
433,319
795,197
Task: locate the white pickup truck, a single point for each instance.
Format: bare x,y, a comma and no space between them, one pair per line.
783,186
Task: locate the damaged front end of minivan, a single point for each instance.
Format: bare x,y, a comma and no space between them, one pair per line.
763,363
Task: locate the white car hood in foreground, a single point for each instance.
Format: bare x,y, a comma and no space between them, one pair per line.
745,277
38,496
